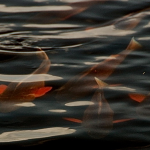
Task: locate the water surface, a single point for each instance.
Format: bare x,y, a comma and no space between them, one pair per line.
75,41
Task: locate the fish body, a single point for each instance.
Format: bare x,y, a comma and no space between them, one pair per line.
98,117
130,21
17,92
82,84
59,15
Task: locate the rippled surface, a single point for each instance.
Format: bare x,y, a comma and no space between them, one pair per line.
108,103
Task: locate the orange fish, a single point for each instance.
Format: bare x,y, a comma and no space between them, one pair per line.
98,117
131,20
81,85
127,22
17,92
59,15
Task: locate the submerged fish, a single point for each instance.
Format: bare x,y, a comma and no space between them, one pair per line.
82,84
127,22
59,15
131,20
98,118
17,92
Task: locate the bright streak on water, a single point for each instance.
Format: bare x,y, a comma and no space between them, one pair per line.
79,103
20,135
57,110
26,104
103,31
122,88
60,25
16,9
28,78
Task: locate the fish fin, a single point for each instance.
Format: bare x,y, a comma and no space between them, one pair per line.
100,83
137,97
42,91
2,88
73,120
122,120
133,45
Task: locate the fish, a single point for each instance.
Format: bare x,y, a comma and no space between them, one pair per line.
130,21
59,15
127,22
18,92
98,118
82,84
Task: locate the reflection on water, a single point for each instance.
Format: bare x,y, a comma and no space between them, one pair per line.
75,69
34,134
33,78
32,8
26,104
79,103
57,110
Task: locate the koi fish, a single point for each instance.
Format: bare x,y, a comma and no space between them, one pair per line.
59,15
17,92
98,118
81,85
131,20
127,22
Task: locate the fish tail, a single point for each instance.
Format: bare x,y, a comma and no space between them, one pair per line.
42,54
133,45
100,83
45,65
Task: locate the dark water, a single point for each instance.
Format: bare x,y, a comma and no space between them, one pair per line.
75,37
